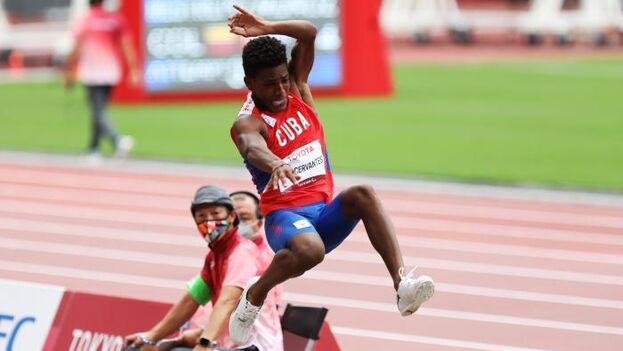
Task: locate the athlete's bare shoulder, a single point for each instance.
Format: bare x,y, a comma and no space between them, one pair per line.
247,123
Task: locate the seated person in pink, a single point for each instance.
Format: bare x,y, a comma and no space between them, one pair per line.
247,207
231,262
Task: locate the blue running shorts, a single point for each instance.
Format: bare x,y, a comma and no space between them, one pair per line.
327,220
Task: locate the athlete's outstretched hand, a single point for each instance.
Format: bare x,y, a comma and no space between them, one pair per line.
246,24
283,173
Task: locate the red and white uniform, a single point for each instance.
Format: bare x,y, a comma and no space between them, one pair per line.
295,135
100,33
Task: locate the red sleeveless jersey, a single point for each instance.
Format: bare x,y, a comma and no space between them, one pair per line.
295,135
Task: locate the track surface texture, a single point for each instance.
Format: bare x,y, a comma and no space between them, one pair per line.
516,268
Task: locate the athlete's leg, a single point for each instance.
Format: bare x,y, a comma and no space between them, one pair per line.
361,202
293,237
304,251
298,248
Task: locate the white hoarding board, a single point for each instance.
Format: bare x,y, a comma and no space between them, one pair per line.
27,311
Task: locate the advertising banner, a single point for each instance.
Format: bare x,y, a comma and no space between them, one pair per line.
26,314
188,45
187,52
91,322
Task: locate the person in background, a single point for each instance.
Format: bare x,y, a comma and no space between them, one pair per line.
247,207
232,260
102,39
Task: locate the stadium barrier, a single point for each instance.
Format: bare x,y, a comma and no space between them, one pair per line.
51,318
26,314
95,322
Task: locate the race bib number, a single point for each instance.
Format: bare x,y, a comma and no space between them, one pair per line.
308,162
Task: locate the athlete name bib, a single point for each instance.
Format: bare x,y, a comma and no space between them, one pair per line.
308,162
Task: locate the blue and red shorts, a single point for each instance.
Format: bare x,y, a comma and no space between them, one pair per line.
327,220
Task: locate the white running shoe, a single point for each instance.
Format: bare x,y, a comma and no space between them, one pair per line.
124,146
412,293
241,320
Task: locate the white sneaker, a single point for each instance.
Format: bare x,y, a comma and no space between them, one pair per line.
241,320
124,146
412,293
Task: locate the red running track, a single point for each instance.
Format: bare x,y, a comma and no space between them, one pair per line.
516,269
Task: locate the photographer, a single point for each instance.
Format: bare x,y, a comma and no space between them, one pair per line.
231,262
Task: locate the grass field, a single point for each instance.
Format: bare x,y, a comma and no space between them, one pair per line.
553,123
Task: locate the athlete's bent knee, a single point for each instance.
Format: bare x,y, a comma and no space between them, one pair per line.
365,192
308,249
359,197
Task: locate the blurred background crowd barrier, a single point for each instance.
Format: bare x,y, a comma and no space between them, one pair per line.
37,33
598,21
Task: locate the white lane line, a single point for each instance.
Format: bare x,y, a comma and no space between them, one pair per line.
361,279
115,234
102,232
414,206
145,168
404,224
490,213
511,231
93,197
314,274
426,340
130,183
498,249
108,254
464,266
339,255
451,314
311,299
83,212
92,275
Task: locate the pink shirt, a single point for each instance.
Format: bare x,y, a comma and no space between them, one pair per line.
243,263
266,255
99,34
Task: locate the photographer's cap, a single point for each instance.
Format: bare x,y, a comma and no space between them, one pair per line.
211,194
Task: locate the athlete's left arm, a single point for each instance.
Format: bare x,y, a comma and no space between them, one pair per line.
301,64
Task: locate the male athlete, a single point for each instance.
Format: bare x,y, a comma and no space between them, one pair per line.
281,139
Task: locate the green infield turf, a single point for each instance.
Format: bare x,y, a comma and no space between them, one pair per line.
552,123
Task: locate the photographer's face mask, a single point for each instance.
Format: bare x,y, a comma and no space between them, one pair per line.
212,229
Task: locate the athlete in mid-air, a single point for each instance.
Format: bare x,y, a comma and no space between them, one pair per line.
281,139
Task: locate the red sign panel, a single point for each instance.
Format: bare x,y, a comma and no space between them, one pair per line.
99,323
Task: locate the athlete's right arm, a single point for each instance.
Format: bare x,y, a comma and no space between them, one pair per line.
249,133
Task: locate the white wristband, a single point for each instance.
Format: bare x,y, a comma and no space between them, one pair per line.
147,341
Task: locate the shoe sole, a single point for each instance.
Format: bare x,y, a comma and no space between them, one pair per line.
424,293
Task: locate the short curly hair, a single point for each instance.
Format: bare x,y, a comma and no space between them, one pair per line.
262,52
